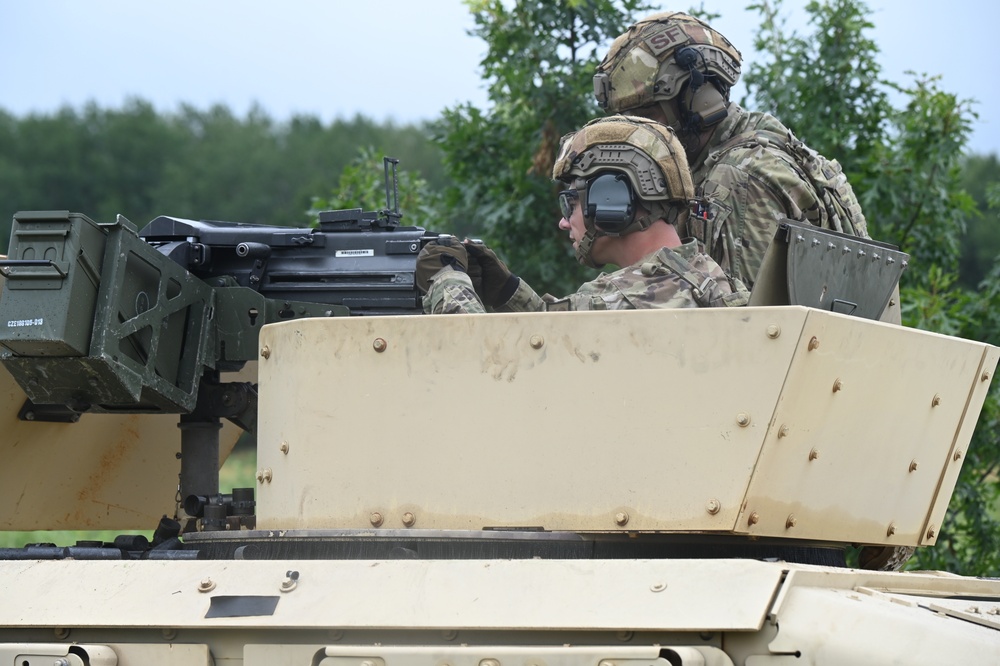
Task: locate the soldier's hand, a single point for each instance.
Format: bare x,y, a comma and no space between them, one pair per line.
498,283
445,251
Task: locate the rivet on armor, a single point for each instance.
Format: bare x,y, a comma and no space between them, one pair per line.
713,506
62,633
913,465
876,257
284,448
782,431
813,343
376,519
536,341
985,377
936,400
931,532
621,519
657,587
773,331
861,253
845,250
957,456
449,634
265,352
800,238
753,519
625,636
790,521
489,662
169,633
743,419
264,475
206,585
409,519
287,585
891,529
379,345
837,385
813,454
831,246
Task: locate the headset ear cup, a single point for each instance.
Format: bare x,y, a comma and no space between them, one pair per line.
610,203
705,107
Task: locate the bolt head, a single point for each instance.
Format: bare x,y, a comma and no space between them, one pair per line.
537,342
284,448
813,454
379,345
743,419
891,529
265,352
713,506
837,385
790,521
753,519
409,519
376,519
931,532
206,585
773,331
813,343
621,518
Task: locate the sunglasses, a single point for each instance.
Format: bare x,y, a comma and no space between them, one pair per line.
568,199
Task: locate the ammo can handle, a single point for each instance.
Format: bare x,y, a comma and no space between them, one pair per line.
7,267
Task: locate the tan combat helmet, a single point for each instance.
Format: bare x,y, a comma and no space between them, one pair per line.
653,60
616,164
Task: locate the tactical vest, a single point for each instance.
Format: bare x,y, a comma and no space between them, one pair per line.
840,209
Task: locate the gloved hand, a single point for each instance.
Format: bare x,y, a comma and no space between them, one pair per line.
498,283
445,251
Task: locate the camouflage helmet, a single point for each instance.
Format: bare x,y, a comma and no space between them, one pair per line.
649,62
645,153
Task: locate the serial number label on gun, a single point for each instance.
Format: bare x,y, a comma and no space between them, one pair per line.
355,253
17,323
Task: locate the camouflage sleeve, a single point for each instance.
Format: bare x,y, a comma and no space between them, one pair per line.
525,299
451,292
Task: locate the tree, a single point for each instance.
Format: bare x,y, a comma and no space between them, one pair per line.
541,56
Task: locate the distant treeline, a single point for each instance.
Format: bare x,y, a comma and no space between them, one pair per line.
212,164
201,164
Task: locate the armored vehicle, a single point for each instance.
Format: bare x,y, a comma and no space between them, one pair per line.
644,488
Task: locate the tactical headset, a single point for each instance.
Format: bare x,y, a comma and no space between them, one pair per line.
610,203
701,105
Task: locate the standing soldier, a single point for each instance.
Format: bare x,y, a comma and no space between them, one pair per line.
749,168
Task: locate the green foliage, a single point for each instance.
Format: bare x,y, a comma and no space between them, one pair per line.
362,185
825,87
981,243
201,164
540,61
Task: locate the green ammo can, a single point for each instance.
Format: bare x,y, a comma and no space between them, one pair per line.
51,250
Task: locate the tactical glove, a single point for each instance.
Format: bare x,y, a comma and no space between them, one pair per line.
445,251
498,283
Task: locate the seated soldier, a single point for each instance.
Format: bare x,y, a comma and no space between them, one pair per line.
628,189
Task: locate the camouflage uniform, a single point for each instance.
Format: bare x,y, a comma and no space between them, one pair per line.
682,277
750,187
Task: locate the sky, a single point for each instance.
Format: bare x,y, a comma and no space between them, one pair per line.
400,60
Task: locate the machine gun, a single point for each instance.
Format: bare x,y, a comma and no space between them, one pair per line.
100,317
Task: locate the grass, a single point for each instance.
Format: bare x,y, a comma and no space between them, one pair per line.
238,471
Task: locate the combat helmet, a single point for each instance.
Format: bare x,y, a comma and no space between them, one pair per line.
653,60
617,165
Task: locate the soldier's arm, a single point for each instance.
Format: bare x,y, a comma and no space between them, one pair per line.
451,292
